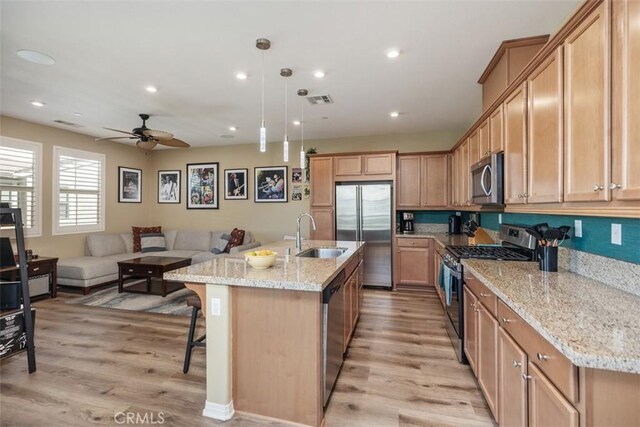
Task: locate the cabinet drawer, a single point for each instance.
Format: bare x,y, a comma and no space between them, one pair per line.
484,295
38,269
140,270
416,243
561,372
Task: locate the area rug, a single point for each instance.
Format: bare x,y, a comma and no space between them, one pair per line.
175,303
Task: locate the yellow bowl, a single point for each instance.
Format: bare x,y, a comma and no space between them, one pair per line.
261,262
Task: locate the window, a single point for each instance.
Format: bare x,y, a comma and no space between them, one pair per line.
78,191
21,181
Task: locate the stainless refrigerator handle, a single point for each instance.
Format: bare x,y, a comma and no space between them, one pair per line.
358,212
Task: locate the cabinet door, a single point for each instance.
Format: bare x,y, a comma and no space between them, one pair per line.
470,328
455,178
437,259
474,147
487,368
355,300
515,147
484,141
360,286
496,130
434,181
408,180
544,91
378,164
547,406
586,110
348,307
626,101
348,165
465,175
325,225
321,172
512,388
413,266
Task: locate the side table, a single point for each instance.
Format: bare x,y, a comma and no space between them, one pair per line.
36,267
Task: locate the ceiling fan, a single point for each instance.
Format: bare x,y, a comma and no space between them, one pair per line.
147,138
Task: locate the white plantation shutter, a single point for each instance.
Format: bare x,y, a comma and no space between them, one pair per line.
78,196
20,181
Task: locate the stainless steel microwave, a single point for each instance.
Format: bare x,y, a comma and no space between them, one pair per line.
487,181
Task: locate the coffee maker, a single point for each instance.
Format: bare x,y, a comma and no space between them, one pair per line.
455,224
407,223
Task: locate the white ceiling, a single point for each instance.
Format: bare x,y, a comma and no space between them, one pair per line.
106,52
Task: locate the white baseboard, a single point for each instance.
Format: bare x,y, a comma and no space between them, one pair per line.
218,411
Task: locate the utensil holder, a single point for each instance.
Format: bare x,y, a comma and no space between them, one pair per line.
548,258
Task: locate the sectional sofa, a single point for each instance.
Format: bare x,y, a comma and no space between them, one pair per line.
103,251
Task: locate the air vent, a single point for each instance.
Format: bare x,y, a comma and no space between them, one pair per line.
320,99
66,123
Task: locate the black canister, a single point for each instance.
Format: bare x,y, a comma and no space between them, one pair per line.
548,258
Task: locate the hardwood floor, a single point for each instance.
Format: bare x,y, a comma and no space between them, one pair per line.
94,363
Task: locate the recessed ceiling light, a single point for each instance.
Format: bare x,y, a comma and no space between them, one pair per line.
393,53
241,76
226,136
37,103
35,57
324,118
151,89
296,122
394,114
232,128
318,74
77,114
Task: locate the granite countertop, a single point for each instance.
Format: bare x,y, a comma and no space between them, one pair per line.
289,271
594,325
443,238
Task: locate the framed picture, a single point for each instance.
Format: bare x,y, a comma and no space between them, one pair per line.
296,194
296,175
202,186
270,184
129,185
169,186
235,184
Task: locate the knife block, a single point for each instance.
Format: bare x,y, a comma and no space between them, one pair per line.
481,238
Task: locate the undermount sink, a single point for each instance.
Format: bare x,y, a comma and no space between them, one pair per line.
322,252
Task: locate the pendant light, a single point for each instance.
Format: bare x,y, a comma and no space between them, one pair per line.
263,44
286,72
303,156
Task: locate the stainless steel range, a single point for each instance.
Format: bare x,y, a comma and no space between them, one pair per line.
517,245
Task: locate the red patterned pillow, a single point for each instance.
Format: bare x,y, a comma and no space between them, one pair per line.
237,237
137,231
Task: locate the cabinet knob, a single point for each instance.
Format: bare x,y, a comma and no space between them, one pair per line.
505,320
520,196
516,364
614,186
526,377
484,295
598,187
472,305
542,357
477,310
525,195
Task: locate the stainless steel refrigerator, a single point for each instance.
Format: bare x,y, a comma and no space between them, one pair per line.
363,213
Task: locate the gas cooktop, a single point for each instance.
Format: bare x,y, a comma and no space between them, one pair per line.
490,252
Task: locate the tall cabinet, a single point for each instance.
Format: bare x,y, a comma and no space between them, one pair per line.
322,197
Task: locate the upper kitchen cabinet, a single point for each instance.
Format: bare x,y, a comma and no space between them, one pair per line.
544,91
365,167
509,60
625,179
465,174
586,109
321,173
474,145
496,131
484,142
423,181
515,147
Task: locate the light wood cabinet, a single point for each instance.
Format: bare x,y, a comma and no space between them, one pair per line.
515,147
378,164
408,188
423,181
625,179
512,387
348,165
586,110
547,406
325,224
455,178
487,360
474,147
470,329
544,89
437,260
359,167
465,175
360,287
349,295
321,172
484,142
496,131
413,262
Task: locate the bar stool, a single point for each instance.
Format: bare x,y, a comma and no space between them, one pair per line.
195,302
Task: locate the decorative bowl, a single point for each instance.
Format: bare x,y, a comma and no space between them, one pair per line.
261,262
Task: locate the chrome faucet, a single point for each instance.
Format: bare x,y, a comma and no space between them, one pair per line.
298,237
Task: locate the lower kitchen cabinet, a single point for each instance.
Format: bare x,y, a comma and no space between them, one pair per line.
352,298
512,396
325,224
487,368
470,330
414,263
547,406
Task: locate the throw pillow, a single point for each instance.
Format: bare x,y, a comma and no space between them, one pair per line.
237,237
137,231
221,244
152,242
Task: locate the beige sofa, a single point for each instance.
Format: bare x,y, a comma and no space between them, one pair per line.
103,251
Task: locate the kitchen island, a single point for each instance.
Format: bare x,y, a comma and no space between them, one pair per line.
265,329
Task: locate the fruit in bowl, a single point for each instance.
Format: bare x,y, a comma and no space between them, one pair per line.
261,260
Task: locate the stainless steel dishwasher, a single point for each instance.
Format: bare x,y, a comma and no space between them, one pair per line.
332,333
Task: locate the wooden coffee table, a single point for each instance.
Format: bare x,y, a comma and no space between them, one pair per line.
149,267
